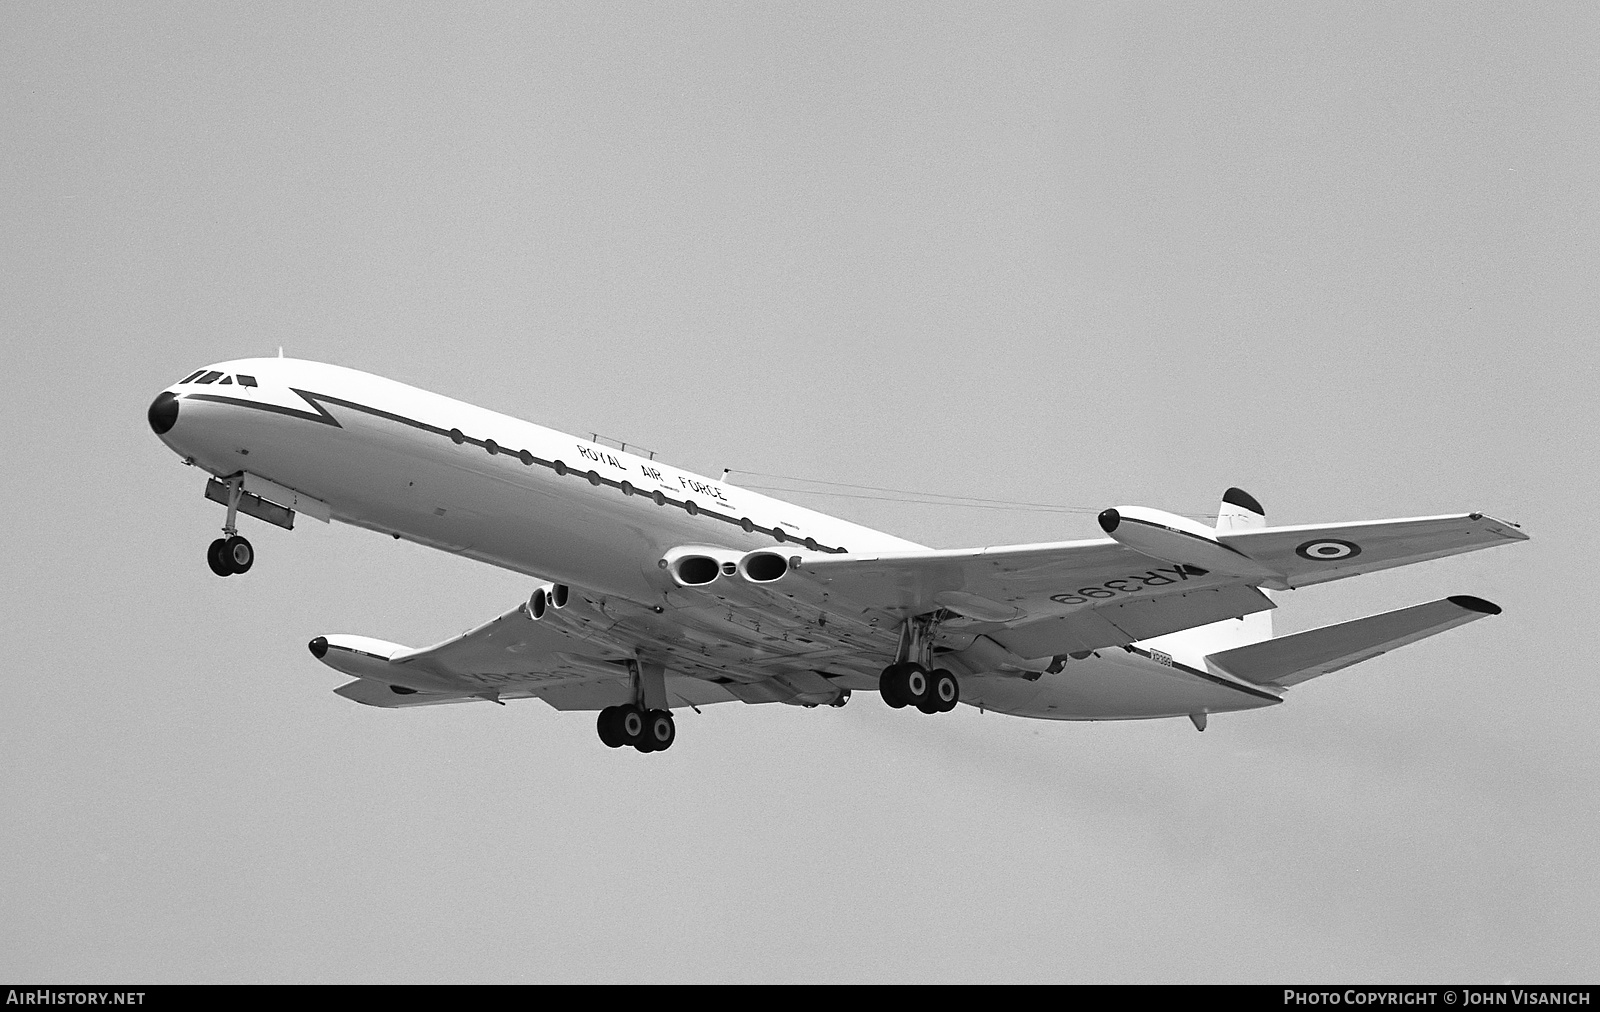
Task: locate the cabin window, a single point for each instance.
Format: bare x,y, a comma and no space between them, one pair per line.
246,381
210,377
190,378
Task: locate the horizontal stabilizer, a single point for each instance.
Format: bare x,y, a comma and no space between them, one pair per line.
1290,660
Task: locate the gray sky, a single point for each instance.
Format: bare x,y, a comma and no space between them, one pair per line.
1342,257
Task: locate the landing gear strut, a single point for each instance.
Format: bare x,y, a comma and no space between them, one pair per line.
647,724
908,682
231,553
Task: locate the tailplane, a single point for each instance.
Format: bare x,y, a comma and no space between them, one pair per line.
1290,660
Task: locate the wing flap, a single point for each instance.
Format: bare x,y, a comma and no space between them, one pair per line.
1130,621
1290,660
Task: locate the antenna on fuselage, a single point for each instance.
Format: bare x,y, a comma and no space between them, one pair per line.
725,472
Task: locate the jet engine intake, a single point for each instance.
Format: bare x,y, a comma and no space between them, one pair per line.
698,565
763,566
1173,538
545,597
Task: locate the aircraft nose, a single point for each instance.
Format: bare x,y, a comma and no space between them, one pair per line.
164,412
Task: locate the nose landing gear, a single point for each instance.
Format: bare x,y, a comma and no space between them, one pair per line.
228,556
231,553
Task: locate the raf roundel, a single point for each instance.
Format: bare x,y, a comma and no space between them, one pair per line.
1328,550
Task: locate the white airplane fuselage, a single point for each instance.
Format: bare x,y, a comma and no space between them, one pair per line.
440,472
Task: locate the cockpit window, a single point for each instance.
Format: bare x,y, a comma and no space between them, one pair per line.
225,381
246,381
190,378
210,377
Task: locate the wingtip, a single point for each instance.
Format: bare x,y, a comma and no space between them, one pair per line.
1507,528
1476,604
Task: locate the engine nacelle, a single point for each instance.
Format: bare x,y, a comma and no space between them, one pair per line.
547,596
1172,538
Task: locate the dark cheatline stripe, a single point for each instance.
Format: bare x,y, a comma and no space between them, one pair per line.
521,457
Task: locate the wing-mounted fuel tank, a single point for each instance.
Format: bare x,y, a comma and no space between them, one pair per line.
365,657
1172,538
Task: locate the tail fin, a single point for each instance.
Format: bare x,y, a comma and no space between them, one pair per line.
1239,512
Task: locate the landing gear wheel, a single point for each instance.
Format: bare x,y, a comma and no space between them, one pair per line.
660,731
214,559
944,692
239,554
890,686
915,686
630,724
609,724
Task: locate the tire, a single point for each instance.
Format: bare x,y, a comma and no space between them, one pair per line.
239,554
630,724
214,558
609,727
889,686
944,691
660,731
915,685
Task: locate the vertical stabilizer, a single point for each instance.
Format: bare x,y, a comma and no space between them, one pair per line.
1239,512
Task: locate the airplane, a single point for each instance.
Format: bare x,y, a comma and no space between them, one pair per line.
656,588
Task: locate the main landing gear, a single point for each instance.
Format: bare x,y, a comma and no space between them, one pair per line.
231,553
645,723
909,682
645,730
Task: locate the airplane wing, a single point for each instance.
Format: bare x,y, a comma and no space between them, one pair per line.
1040,600
1322,552
574,658
814,624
